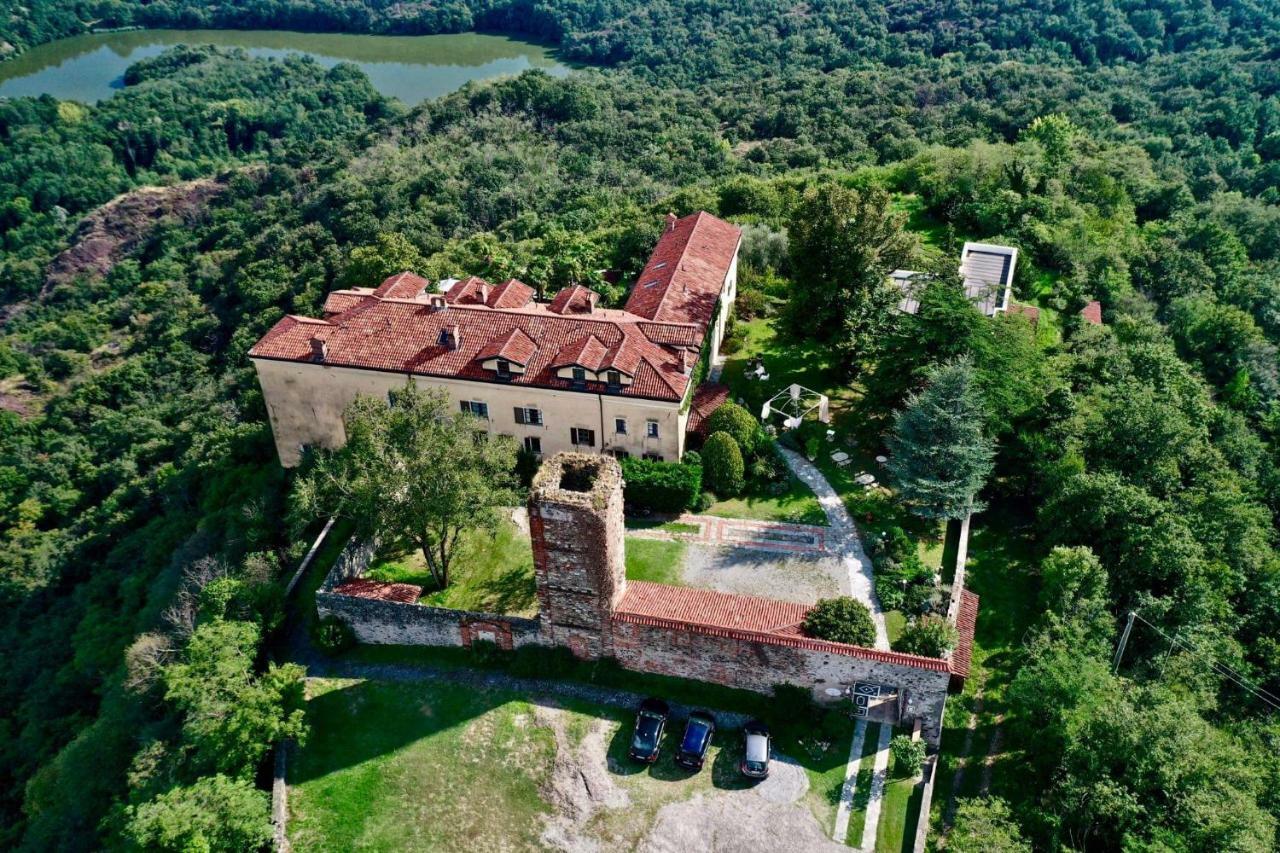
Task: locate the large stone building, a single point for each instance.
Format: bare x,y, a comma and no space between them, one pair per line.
561,375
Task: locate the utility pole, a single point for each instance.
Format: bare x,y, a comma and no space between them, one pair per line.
1124,640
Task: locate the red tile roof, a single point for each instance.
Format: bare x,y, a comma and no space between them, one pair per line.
510,294
396,327
687,270
513,346
405,593
404,285
1092,313
742,617
574,299
707,397
966,624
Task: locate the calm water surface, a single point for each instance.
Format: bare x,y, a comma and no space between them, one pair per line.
412,68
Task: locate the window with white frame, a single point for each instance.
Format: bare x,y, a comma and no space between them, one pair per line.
533,444
504,369
581,437
477,408
651,428
528,415
620,426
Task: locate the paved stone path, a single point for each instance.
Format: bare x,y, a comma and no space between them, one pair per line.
845,807
842,538
773,536
880,771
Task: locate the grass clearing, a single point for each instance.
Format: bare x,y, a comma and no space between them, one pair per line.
434,765
899,813
634,523
796,505
491,573
862,786
656,560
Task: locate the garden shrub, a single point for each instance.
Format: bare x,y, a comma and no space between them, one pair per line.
332,635
750,303
930,636
835,724
692,457
918,598
705,500
722,465
739,423
907,754
890,590
651,486
841,620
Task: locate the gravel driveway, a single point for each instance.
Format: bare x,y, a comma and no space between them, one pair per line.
803,578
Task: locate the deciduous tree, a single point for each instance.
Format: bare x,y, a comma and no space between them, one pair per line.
413,471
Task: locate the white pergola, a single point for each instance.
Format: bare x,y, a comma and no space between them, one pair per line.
794,404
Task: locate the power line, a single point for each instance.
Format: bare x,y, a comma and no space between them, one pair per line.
1218,667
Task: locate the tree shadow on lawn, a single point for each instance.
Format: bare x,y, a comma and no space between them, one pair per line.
366,720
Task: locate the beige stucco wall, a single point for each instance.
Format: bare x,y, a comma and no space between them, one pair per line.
305,402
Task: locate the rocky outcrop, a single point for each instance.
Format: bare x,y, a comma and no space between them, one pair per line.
116,228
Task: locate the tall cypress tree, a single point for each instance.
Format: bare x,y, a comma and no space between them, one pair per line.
939,455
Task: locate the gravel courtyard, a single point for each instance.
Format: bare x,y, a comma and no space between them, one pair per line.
802,578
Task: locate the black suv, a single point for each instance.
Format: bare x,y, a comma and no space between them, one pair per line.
697,739
651,719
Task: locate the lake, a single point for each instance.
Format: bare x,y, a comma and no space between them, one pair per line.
89,68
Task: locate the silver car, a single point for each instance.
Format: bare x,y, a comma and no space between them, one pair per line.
755,761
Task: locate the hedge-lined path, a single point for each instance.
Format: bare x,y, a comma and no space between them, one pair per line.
842,539
773,536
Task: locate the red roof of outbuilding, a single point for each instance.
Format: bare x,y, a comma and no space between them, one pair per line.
510,294
966,624
1092,313
405,593
743,617
707,397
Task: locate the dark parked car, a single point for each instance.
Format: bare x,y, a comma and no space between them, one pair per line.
651,719
755,762
696,740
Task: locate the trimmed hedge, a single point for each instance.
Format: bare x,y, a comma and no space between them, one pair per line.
661,486
739,423
723,466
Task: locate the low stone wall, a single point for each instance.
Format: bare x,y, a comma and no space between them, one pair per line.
352,563
759,665
395,623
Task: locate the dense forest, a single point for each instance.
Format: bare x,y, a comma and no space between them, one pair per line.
1131,150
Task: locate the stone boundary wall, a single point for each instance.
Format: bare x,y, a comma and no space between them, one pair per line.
395,623
352,563
760,664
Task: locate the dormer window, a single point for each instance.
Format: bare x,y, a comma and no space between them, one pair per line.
579,377
504,369
448,337
614,380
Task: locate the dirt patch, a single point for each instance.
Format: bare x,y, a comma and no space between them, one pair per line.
580,783
109,233
787,781
733,823
802,578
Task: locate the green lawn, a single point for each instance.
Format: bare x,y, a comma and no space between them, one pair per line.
796,505
659,524
899,813
657,560
1002,570
862,786
491,573
431,765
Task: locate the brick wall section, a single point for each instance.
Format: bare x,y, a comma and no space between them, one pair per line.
760,664
395,623
576,527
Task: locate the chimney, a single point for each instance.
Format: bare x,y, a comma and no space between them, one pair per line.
671,222
319,349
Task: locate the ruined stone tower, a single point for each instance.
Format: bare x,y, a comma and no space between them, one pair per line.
576,524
